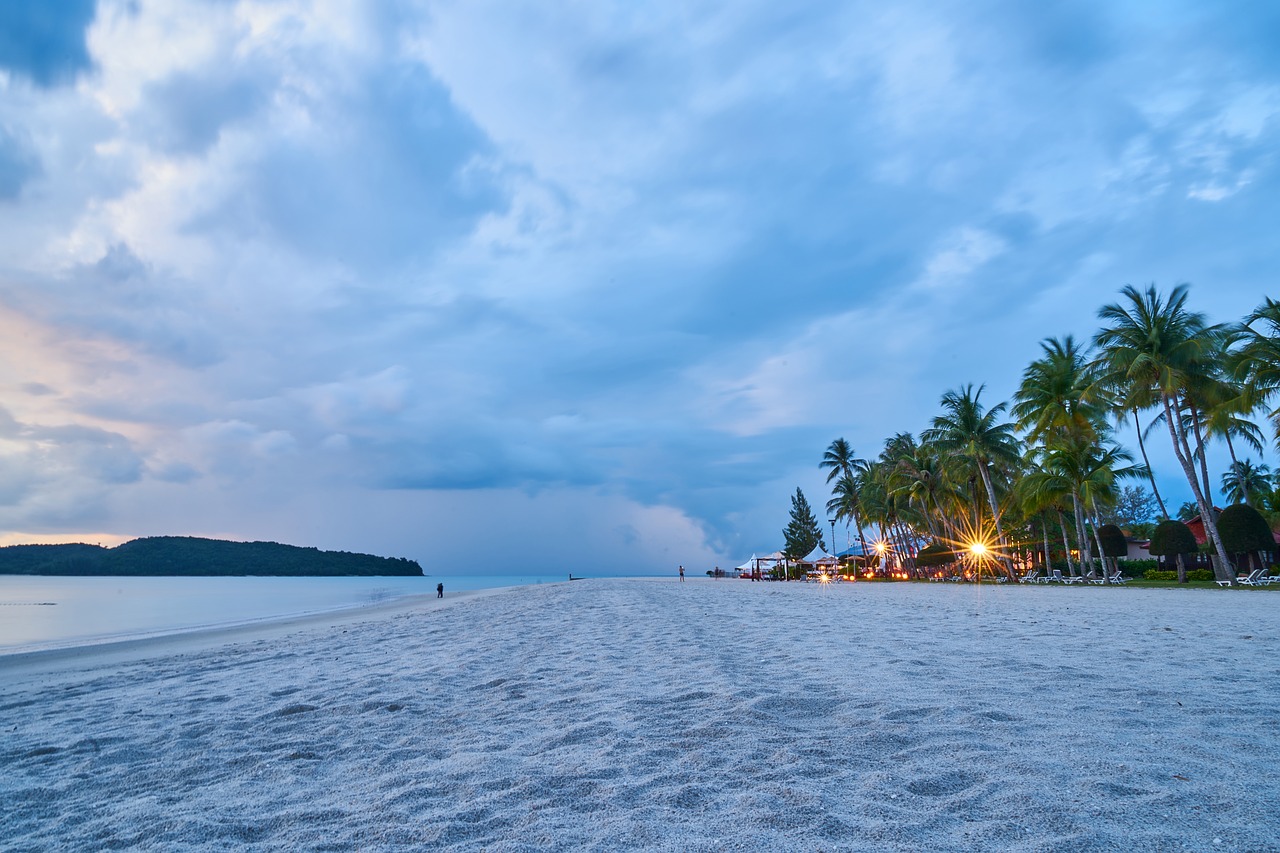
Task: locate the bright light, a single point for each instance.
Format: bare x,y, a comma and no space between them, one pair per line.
881,547
978,549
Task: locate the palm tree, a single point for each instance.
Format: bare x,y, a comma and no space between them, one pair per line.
1058,394
1245,480
1043,492
1255,359
922,478
845,467
1159,345
975,434
845,504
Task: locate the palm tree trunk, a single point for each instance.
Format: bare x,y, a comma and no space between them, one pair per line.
1137,425
857,520
1082,536
976,504
995,519
1044,528
1221,570
1066,544
1102,555
1204,456
1235,469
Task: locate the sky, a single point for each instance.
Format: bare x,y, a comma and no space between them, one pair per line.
584,286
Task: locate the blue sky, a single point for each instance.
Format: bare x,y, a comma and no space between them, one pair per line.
590,286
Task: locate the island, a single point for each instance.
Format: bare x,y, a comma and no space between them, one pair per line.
191,556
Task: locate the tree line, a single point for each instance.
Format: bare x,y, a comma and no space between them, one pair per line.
1045,469
191,556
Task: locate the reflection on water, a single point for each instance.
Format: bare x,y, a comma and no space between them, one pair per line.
48,612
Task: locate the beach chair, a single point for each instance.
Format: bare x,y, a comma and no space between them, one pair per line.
1254,578
1056,577
1030,577
1119,578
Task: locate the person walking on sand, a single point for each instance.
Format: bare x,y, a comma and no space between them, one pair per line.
440,590
682,574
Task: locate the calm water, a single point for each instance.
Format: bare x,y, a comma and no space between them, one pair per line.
51,612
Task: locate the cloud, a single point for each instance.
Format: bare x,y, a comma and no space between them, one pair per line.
60,475
45,42
639,269
186,112
18,163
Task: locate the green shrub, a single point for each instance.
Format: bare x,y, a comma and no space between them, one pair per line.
1244,529
935,554
1193,575
1171,538
1113,541
1135,568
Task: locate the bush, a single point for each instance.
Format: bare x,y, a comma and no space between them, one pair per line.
1193,575
935,554
1135,568
1172,538
1244,529
1113,541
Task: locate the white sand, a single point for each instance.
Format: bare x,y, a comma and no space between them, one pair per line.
718,715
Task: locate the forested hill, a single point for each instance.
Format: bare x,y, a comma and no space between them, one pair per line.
187,555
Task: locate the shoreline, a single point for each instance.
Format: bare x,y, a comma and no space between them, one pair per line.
207,623
23,665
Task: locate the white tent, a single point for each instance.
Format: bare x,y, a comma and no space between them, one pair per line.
749,565
818,556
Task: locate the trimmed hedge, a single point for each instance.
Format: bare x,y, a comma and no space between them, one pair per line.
935,554
1172,538
1193,575
1113,541
1244,529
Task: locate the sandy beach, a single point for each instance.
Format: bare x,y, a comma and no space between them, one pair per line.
709,715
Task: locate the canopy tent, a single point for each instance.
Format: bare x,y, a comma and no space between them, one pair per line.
748,566
818,557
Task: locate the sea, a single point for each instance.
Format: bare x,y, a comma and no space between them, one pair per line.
38,613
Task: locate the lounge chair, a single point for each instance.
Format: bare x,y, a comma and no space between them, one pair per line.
1119,578
1030,577
1258,577
1056,577
1250,579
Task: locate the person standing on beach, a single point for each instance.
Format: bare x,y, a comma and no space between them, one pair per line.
682,574
440,590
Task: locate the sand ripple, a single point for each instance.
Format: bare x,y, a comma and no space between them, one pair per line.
698,717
